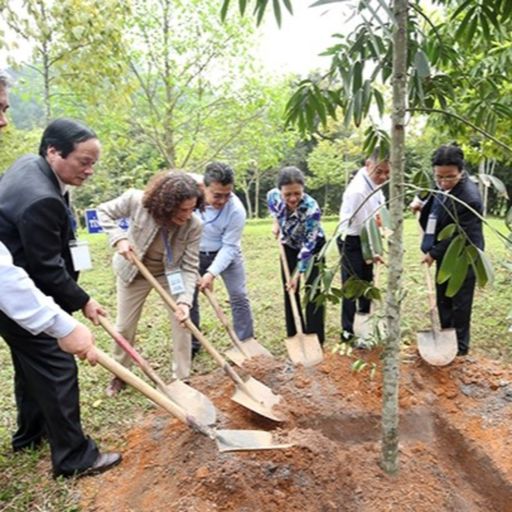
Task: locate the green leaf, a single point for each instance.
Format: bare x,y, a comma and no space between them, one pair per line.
242,5
457,277
451,259
277,12
365,245
325,2
357,77
375,237
447,232
484,267
358,107
288,5
359,365
379,99
385,217
422,65
508,219
224,10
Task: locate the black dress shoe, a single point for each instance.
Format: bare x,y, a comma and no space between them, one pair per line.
103,462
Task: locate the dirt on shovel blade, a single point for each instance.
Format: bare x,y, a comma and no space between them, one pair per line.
455,428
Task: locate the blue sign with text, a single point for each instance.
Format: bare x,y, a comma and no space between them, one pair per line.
93,225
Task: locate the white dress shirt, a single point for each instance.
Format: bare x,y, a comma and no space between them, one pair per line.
359,191
21,301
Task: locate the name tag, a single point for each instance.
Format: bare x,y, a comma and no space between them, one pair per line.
80,255
175,282
431,225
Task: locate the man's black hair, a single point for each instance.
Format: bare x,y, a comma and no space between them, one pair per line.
63,135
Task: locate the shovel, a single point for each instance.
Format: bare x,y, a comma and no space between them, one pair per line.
192,401
241,351
302,348
226,440
437,347
250,393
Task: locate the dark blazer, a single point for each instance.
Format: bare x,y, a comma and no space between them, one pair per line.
465,191
35,226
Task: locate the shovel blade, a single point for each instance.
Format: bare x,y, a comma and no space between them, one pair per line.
258,398
193,402
362,325
249,348
305,349
243,440
438,348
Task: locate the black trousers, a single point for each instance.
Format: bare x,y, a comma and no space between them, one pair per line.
353,264
47,399
455,312
314,323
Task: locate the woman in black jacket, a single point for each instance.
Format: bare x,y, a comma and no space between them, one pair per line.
457,200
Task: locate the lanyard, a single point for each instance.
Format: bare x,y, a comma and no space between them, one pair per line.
368,183
371,187
212,220
71,217
168,249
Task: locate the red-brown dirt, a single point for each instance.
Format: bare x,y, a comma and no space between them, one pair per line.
455,449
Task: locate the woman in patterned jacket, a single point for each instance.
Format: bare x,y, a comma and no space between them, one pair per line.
297,223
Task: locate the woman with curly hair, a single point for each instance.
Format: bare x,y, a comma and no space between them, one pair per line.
165,235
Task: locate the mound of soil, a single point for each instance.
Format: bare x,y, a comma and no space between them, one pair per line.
455,431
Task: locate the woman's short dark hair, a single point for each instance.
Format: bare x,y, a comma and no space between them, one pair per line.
63,135
165,192
219,172
289,176
449,154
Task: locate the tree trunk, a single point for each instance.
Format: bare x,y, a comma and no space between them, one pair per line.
256,193
391,353
247,194
45,50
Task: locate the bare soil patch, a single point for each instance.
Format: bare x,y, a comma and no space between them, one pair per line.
456,436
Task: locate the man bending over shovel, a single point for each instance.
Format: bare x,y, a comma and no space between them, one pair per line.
219,249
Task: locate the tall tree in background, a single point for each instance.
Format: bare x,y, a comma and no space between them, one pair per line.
188,66
73,42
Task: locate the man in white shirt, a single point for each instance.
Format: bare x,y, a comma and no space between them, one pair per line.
361,201
220,248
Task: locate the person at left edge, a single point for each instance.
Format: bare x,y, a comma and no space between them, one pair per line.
36,227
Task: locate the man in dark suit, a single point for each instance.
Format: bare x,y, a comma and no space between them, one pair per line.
36,226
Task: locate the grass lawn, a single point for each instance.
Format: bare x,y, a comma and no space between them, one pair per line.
24,479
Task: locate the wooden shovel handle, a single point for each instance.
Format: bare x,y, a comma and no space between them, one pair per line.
430,287
223,319
127,376
139,360
291,294
188,323
432,299
155,396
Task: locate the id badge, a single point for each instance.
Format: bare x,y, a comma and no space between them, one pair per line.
431,225
80,255
175,282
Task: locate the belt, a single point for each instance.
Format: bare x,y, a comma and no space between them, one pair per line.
208,253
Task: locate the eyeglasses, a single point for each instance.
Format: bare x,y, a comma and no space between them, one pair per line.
448,179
